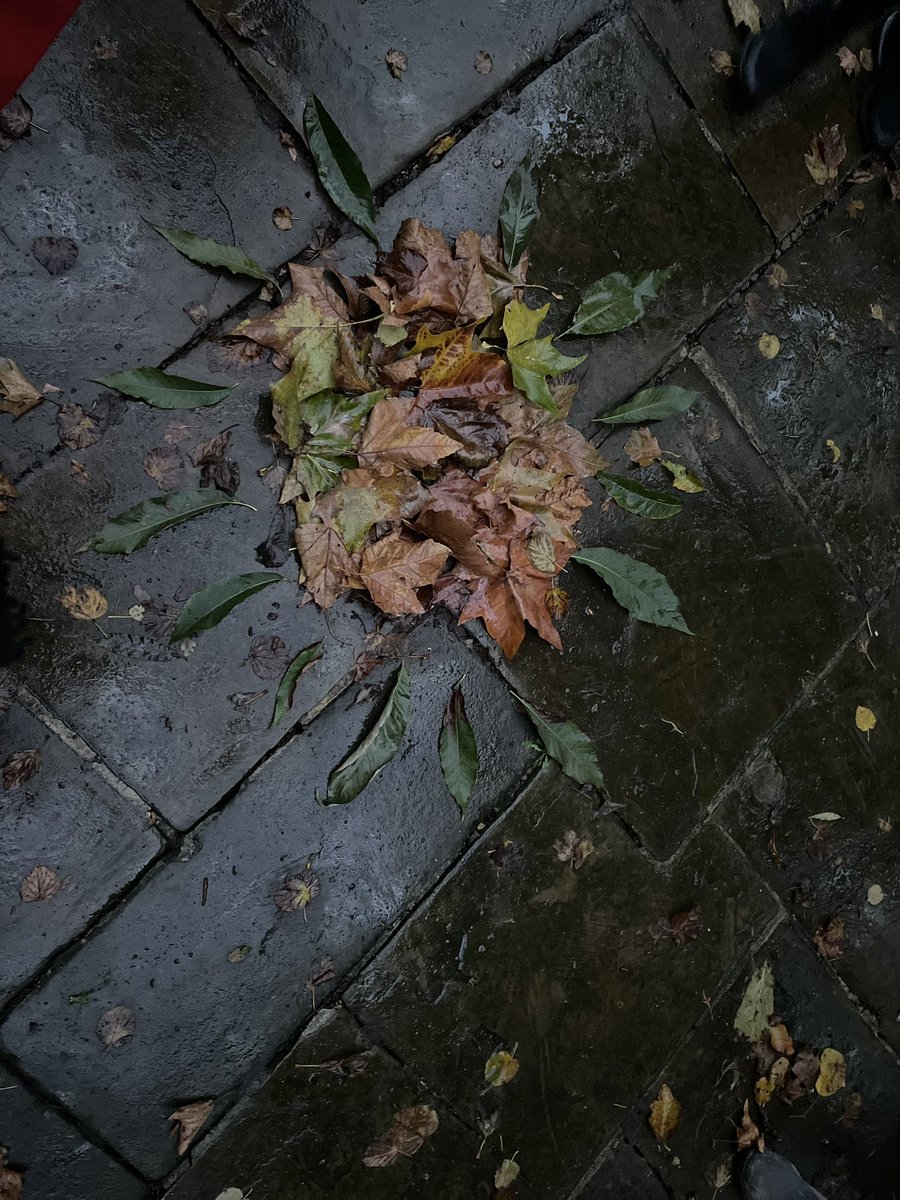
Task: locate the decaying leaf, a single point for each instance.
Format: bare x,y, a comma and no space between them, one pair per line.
850,64
84,604
766,1087
79,472
745,12
41,883
286,139
297,892
75,428
116,1027
834,448
269,656
506,1174
832,1073
165,466
827,151
853,1107
282,217
780,1040
484,64
829,938
409,1129
21,766
757,1005
865,719
665,1114
776,276
239,953
397,62
722,63
15,121
748,1134
104,49
877,312
769,345
683,479
500,1068
803,1074
642,447
685,927
17,394
440,147
557,602
10,1181
189,1119
855,209
56,255
574,849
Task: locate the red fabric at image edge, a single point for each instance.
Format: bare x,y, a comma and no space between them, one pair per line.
27,27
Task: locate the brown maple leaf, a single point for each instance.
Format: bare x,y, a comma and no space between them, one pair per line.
328,567
409,1129
460,372
827,151
75,428
642,447
278,328
829,938
394,567
433,280
19,768
389,440
189,1119
164,465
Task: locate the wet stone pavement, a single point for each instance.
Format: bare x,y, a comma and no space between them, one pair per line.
740,785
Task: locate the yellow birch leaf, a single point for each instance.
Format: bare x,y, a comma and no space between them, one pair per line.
833,1072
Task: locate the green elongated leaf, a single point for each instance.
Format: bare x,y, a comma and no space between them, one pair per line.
532,362
376,749
566,744
165,391
340,171
284,697
632,496
519,211
652,404
212,254
207,607
617,301
458,751
137,525
682,478
637,586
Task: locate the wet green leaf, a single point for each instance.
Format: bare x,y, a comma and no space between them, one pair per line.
212,254
165,391
500,1068
519,211
376,749
617,300
207,607
757,1006
314,353
458,750
327,425
521,322
634,498
137,525
284,697
340,171
567,745
531,358
637,586
682,478
390,335
652,404
81,998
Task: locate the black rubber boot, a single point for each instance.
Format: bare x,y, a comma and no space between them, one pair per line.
809,29
880,112
768,1176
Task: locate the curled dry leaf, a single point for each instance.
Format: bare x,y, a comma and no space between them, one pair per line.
877,312
484,64
776,276
439,148
287,140
189,1119
282,217
748,1134
573,849
75,428
642,447
165,466
834,448
506,1174
56,255
829,938
832,1073
827,151
665,1114
17,394
722,63
10,1181
297,892
408,1131
850,64
41,883
116,1027
84,604
685,927
803,1074
15,121
396,62
557,602
500,1068
19,768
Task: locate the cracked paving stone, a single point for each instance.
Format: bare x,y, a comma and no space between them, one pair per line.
834,380
672,716
620,1173
164,954
765,140
68,819
628,182
160,715
818,762
324,1125
165,132
297,48
56,1161
712,1076
572,968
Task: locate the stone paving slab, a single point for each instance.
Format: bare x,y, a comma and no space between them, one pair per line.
570,969
713,1074
765,140
206,1025
622,1173
629,182
56,1161
160,715
302,1136
66,818
297,48
766,605
165,132
820,762
834,378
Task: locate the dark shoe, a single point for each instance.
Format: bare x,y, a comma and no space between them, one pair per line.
768,1176
880,111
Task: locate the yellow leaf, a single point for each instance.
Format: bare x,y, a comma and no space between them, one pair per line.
500,1068
506,1174
762,1091
855,209
665,1114
877,312
834,448
84,604
769,345
865,718
766,1087
875,894
780,1040
683,479
17,394
833,1072
440,147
